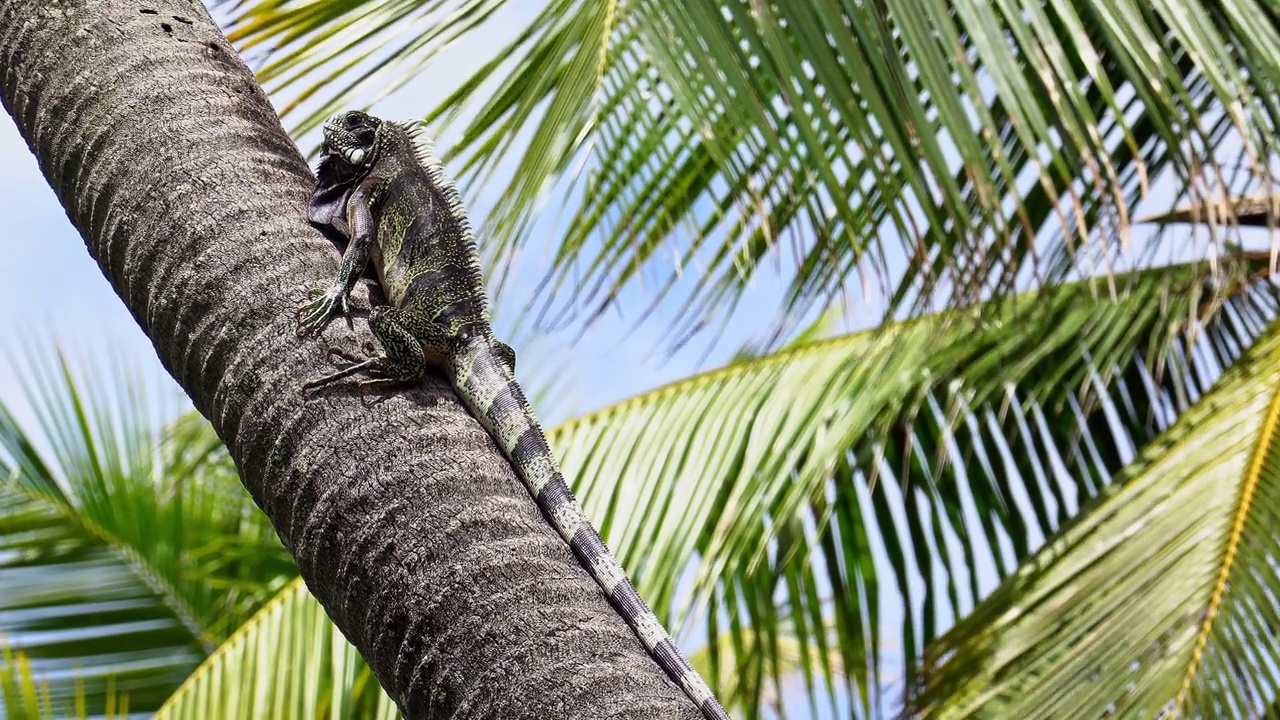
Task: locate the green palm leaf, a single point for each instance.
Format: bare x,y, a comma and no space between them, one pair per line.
978,142
1161,597
124,557
984,435
287,661
25,697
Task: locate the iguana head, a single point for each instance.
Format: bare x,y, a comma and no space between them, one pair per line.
352,136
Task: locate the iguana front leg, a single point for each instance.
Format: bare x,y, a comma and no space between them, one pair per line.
313,316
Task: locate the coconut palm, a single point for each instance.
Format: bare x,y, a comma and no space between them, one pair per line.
1102,447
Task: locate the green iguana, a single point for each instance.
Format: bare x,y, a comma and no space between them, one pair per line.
381,189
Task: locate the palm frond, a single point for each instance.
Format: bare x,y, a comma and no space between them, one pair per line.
1159,599
1259,210
288,661
123,559
808,485
23,696
952,149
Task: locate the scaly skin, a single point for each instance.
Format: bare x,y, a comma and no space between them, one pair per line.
380,188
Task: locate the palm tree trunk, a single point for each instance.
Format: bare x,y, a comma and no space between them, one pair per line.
406,523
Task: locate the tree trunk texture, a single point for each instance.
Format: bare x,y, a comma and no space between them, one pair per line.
406,522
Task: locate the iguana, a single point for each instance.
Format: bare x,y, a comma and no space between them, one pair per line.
380,187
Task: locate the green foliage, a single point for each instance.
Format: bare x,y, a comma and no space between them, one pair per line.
24,697
984,429
955,151
1160,597
803,489
125,557
288,661
775,479
950,149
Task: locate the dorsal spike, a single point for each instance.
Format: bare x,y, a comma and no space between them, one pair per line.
424,151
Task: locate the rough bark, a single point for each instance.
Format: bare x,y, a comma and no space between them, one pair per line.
407,524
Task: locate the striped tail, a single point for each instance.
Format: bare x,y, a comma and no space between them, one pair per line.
495,398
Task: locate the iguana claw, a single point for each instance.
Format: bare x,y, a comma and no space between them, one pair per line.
315,315
344,355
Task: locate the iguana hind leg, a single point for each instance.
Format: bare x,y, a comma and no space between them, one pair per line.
402,361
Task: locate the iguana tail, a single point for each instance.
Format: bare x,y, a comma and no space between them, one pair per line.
489,388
